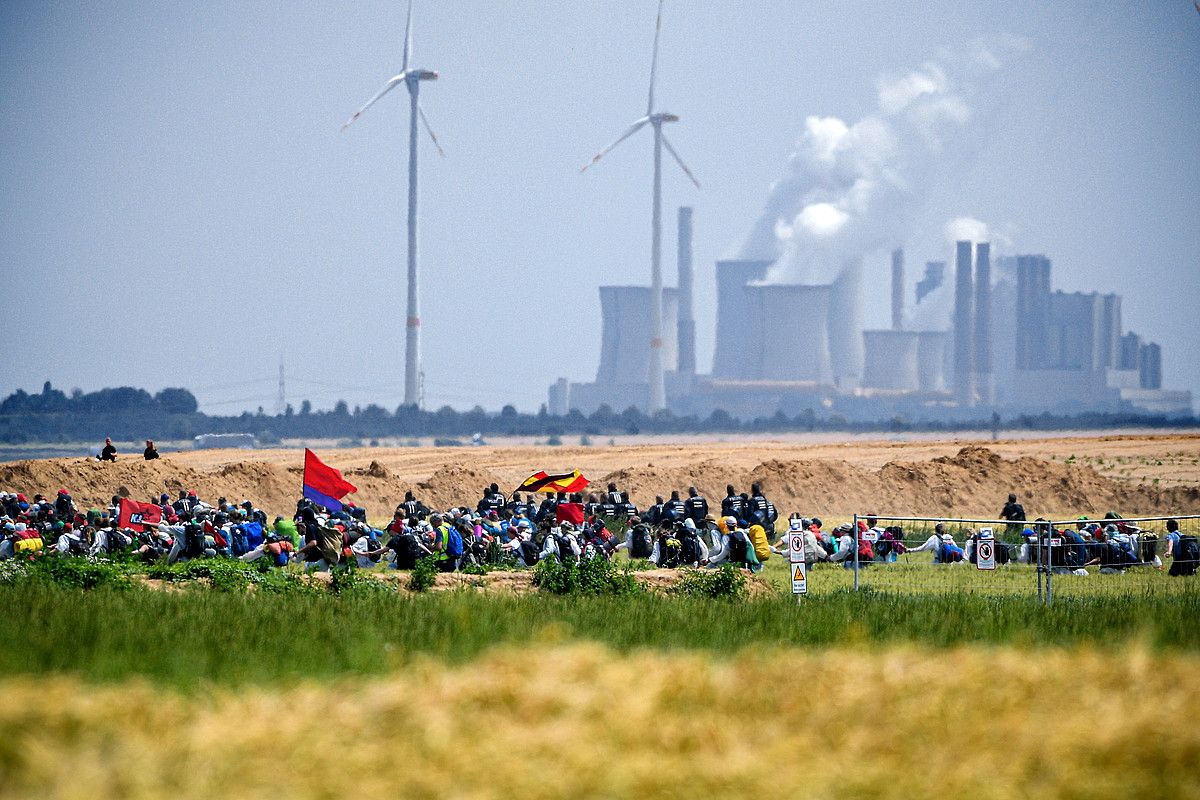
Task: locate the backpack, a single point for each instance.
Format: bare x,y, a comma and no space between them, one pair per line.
689,547
865,551
117,541
407,551
239,542
193,541
1186,558
1003,556
565,552
529,552
739,547
454,542
669,550
641,544
762,547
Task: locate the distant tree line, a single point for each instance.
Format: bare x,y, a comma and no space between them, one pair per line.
126,413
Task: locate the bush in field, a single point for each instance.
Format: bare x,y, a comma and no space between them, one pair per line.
592,576
80,573
726,582
344,580
423,576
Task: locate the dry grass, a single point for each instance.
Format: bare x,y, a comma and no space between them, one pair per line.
558,720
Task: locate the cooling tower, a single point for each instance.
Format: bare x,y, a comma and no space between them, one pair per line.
985,380
964,327
931,361
732,349
625,329
687,322
790,334
897,290
891,360
845,326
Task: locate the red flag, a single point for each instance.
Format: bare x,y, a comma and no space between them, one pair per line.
138,516
569,512
323,484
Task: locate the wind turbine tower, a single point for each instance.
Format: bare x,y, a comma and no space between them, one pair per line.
656,120
411,77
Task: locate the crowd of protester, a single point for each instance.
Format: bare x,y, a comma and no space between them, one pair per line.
520,531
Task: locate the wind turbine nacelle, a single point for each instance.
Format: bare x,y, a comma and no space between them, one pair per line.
422,75
664,117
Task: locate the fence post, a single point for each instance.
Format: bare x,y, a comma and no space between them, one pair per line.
1049,562
1038,539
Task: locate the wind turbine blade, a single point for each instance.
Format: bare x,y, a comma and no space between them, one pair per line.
392,84
654,59
679,161
408,37
630,131
432,135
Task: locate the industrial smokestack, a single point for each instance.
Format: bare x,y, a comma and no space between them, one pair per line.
897,289
687,323
985,381
964,328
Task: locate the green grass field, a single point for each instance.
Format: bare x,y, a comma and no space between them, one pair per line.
226,681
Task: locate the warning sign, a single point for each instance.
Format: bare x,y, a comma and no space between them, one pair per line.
985,554
795,546
799,578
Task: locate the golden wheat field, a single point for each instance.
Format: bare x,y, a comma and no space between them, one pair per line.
574,720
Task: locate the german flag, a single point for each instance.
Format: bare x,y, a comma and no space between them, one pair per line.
549,484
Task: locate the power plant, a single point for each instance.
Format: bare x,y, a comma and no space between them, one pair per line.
1012,345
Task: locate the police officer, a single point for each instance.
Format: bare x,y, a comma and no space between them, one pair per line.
695,507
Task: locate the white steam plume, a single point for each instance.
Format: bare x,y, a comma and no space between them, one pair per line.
850,190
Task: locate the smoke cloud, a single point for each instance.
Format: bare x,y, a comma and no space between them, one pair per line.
851,189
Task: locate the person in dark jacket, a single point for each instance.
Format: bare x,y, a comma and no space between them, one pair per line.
109,453
732,505
674,509
695,507
150,453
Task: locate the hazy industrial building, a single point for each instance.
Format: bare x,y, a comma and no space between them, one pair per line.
1010,344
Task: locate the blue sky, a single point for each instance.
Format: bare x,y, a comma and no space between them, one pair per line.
180,208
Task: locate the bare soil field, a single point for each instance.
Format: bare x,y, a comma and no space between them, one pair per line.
1058,476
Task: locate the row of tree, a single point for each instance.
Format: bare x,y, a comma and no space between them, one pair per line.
126,413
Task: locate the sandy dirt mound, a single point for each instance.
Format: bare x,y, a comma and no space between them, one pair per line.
970,482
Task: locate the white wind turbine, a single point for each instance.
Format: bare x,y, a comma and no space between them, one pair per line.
411,77
658,399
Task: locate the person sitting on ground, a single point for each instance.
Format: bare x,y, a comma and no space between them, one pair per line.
150,453
639,540
736,548
667,547
941,544
366,554
109,453
324,550
844,538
